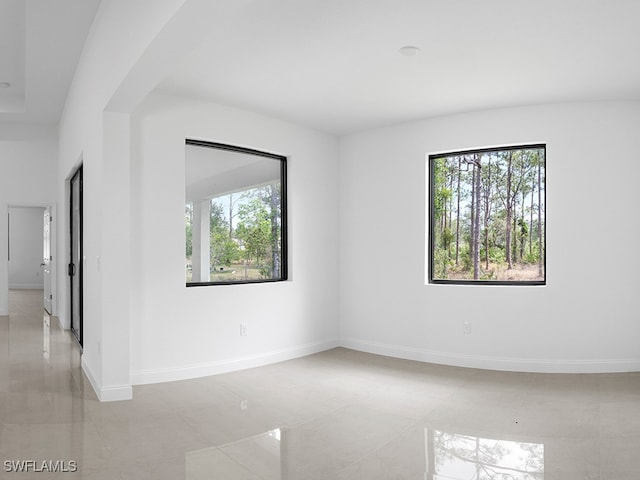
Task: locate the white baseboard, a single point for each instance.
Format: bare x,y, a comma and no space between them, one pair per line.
116,393
111,393
142,377
58,321
494,363
61,323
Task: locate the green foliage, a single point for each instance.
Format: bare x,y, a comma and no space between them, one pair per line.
441,264
533,256
223,250
523,227
465,257
254,230
217,220
189,239
188,229
446,238
488,275
244,234
441,192
496,255
258,229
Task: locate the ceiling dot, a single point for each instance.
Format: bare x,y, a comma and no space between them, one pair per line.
409,51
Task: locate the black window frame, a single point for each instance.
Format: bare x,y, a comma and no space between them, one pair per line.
431,232
284,262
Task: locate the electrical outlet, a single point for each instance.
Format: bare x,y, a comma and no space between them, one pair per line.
243,329
466,327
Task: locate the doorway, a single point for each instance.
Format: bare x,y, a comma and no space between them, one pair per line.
25,259
75,254
31,250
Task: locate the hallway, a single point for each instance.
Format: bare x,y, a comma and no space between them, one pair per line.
42,388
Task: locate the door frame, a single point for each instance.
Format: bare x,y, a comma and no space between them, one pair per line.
46,261
76,173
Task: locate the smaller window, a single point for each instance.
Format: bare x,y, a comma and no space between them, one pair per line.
487,216
235,215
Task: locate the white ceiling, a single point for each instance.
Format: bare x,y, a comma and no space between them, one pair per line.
40,44
334,64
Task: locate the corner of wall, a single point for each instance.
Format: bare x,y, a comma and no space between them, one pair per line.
111,393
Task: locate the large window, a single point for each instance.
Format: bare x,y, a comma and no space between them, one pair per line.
235,215
487,216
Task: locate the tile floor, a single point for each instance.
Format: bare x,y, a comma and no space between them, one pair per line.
336,415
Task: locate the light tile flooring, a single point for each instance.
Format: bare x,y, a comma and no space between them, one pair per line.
336,415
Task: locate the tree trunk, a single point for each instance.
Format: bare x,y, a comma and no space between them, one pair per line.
533,191
275,228
522,234
540,273
509,206
476,226
472,214
231,216
487,211
458,216
451,171
514,234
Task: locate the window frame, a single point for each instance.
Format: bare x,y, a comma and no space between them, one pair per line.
284,253
431,214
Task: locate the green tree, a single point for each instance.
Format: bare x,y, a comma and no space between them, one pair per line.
442,175
254,231
274,201
223,250
188,216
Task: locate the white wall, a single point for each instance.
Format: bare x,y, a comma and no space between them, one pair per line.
584,320
98,139
27,177
179,332
26,247
131,47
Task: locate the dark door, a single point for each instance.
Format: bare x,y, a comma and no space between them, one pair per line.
75,265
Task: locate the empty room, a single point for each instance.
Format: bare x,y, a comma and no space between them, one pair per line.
305,240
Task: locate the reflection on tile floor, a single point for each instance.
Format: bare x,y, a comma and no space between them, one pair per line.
336,415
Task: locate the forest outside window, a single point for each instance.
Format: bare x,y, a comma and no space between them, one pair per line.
235,215
487,216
